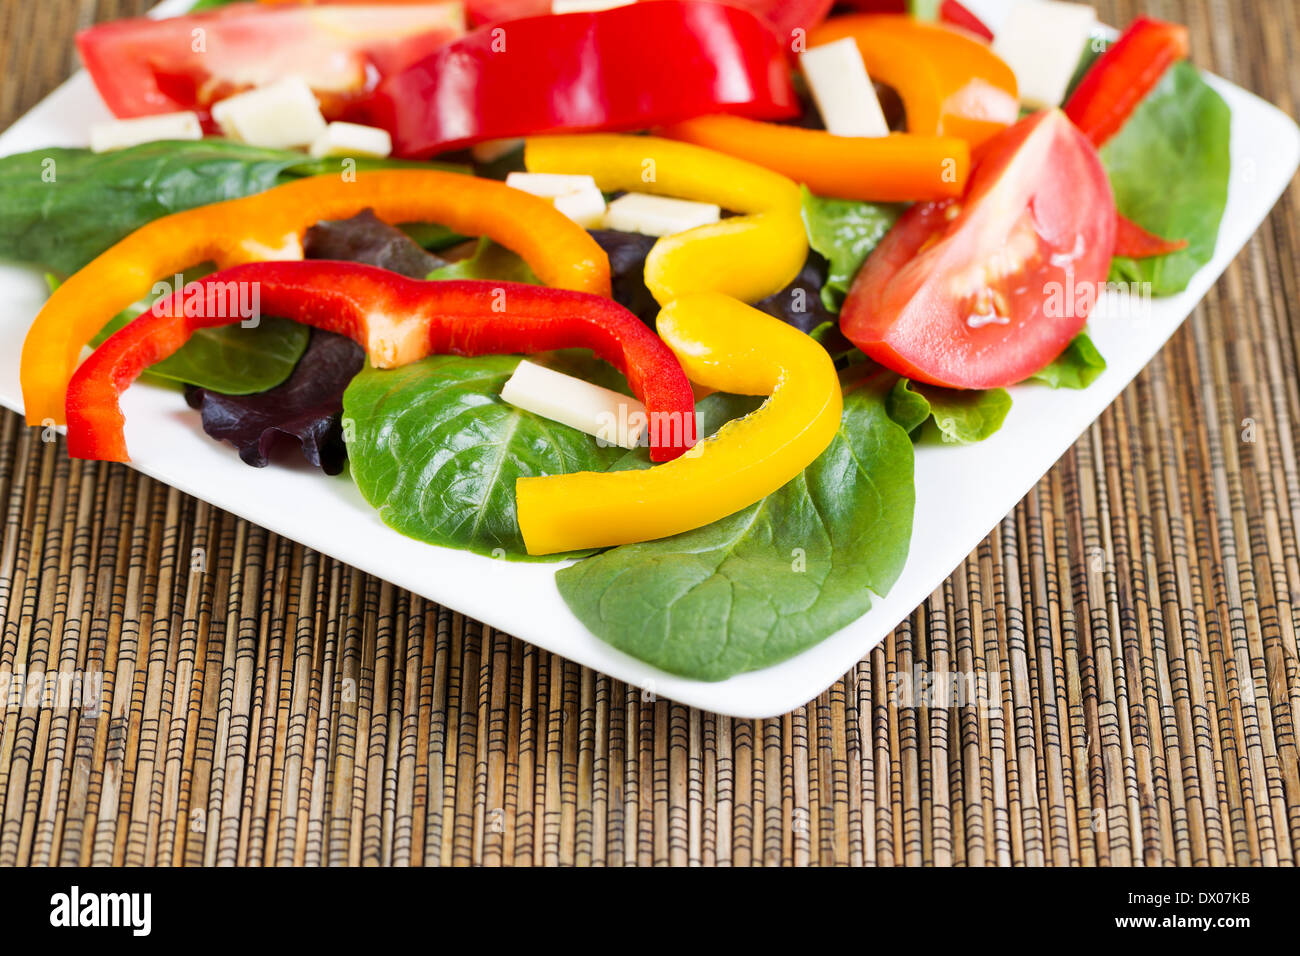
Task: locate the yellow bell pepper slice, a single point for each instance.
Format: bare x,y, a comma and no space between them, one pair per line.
269,225
748,257
725,345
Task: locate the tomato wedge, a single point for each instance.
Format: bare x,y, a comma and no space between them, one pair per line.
984,291
142,66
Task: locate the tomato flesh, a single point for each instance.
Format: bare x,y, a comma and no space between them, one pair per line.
142,66
983,291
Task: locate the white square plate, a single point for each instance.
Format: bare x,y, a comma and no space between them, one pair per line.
961,492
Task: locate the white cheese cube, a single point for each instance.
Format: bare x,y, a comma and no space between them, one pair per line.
658,215
1042,40
613,418
549,185
839,83
578,197
991,13
119,134
283,115
586,207
352,139
586,6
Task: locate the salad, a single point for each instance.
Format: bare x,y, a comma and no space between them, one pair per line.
668,291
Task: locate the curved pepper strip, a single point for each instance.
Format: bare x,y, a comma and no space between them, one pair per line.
269,225
1109,93
726,345
748,257
1134,242
625,68
781,18
951,84
398,320
901,167
1123,76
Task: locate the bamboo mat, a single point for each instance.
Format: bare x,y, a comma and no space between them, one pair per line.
1135,618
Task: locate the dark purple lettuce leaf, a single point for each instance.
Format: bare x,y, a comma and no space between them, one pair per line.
800,303
627,252
307,407
368,239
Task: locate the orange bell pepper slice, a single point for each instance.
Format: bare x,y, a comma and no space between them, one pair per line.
269,226
957,94
901,167
951,84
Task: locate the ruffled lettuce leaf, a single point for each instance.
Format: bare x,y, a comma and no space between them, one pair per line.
1077,367
306,408
951,416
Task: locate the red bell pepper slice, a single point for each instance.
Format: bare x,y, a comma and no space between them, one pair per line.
1124,75
1109,93
397,320
950,12
783,16
1134,242
954,14
631,67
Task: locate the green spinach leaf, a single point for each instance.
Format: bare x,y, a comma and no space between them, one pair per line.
1169,168
767,582
435,449
59,208
1077,367
844,231
490,260
431,235
234,360
310,166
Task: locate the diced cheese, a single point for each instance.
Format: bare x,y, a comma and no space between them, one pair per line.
842,89
119,134
577,197
1042,41
586,6
586,207
658,215
491,150
614,418
283,115
352,139
549,185
991,13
